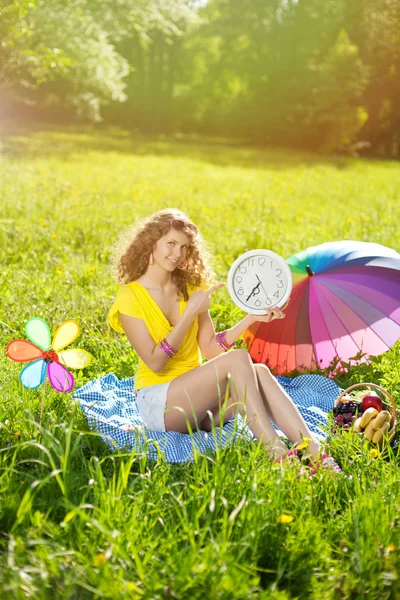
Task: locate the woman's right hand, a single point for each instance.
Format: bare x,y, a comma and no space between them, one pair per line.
199,301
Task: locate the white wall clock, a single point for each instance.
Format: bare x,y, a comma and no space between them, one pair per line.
259,279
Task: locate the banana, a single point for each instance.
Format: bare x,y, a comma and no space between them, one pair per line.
379,433
369,430
383,416
357,425
368,415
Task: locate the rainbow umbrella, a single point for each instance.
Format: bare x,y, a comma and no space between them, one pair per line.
345,302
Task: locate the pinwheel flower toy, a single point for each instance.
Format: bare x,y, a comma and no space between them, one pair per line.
45,356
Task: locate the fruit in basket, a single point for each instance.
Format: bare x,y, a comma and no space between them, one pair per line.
345,413
379,433
348,407
346,398
383,417
343,400
370,429
372,400
347,417
376,424
366,414
357,425
369,414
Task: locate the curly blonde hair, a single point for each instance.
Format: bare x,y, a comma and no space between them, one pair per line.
131,258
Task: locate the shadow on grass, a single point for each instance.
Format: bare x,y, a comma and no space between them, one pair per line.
46,140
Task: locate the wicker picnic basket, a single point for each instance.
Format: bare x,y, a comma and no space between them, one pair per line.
354,393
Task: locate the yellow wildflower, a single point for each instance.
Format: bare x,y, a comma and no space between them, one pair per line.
284,518
373,452
54,235
100,559
304,444
391,548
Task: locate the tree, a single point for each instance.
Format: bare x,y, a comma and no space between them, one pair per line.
281,72
64,53
374,25
154,51
57,52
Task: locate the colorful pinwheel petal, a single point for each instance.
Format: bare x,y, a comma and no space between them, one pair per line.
23,351
38,332
75,359
33,374
60,378
45,356
65,335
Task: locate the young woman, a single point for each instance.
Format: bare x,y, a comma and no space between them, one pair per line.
163,308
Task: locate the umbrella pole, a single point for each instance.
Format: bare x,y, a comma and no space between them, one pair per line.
309,271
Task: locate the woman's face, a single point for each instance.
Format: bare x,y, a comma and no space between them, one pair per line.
171,249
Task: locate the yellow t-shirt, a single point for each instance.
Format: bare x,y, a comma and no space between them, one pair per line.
134,300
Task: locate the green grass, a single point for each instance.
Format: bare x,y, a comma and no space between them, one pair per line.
79,522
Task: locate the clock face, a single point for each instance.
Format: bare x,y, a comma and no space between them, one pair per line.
259,279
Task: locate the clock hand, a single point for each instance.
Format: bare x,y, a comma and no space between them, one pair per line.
262,286
250,295
253,291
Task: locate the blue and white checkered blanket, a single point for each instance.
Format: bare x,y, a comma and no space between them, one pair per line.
110,407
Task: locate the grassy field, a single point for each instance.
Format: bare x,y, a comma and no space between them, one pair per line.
77,521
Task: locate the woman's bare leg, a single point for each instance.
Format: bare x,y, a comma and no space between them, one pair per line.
281,408
199,390
214,415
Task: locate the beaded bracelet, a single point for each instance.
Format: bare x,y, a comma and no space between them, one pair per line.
221,340
169,350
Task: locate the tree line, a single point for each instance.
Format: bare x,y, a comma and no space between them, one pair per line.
313,74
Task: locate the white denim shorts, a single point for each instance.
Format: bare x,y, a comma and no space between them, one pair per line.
152,402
